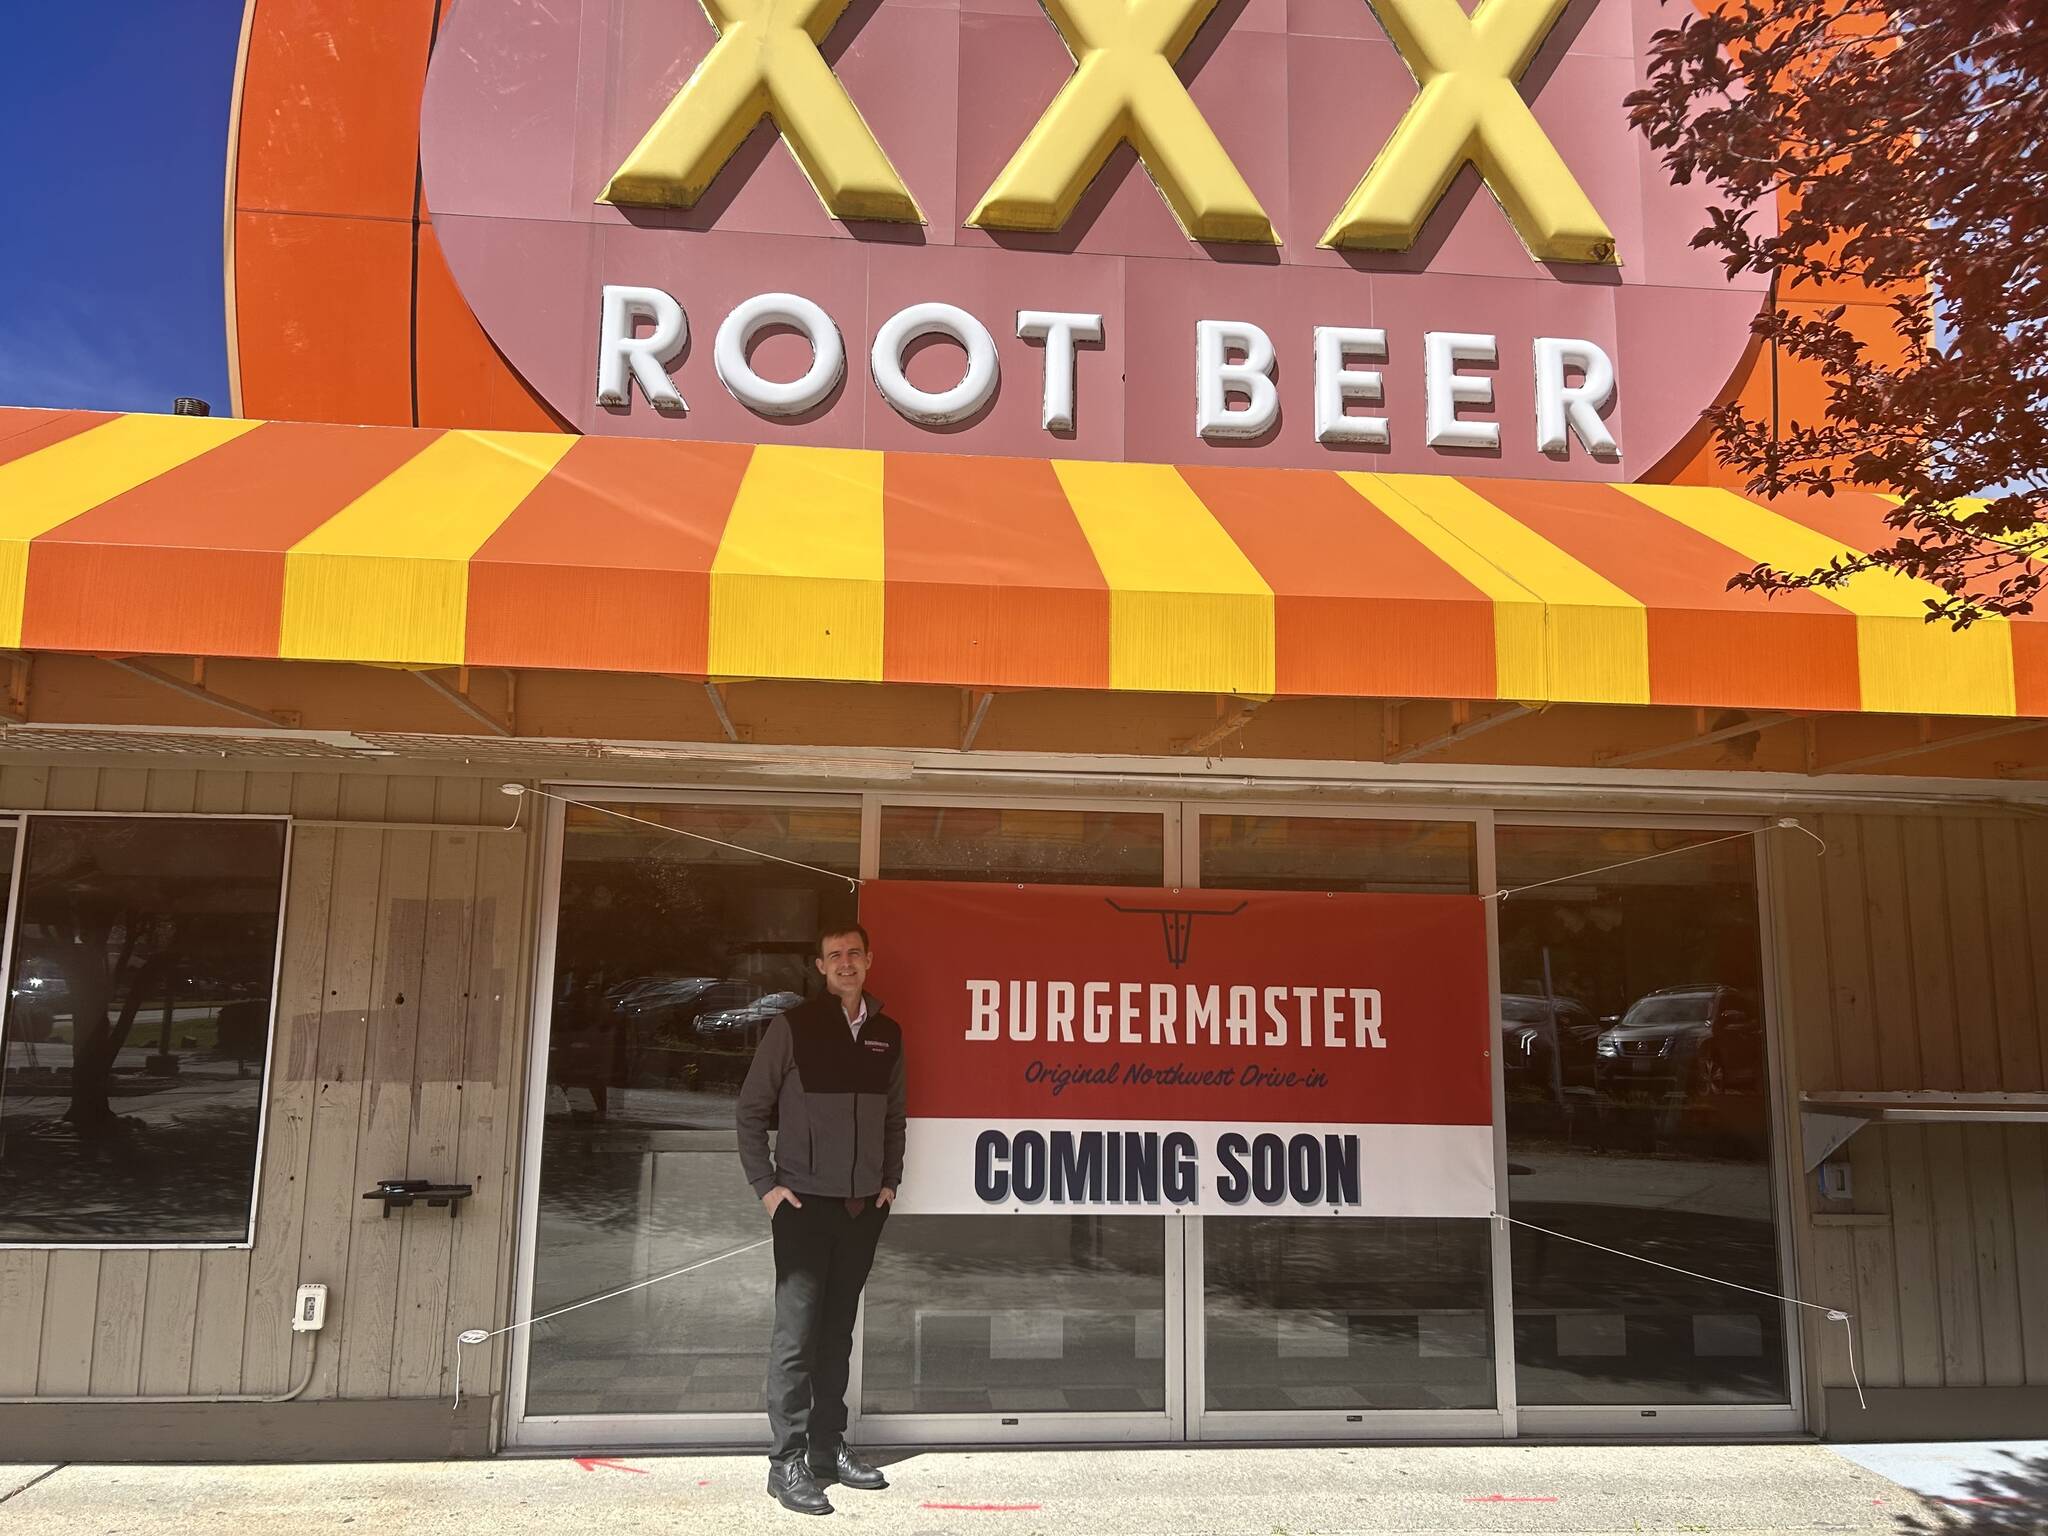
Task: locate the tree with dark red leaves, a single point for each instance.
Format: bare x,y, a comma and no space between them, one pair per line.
1904,146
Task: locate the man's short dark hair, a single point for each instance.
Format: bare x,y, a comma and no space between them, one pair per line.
837,929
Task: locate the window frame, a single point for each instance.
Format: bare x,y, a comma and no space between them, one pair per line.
1182,808
1564,1421
22,821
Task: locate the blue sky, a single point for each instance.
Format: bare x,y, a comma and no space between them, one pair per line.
114,127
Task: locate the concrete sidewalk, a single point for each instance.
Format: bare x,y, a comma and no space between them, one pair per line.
1545,1490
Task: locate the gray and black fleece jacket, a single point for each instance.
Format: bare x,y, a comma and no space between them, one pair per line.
834,1101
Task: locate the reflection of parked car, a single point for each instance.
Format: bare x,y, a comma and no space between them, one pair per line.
655,995
1699,1040
744,1025
1546,1043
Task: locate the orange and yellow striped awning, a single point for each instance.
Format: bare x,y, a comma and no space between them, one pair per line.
198,536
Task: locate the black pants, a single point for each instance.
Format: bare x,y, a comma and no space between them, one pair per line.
822,1258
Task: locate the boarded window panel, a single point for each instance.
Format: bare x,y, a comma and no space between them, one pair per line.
258,1353
333,1192
2013,975
1891,964
1848,952
391,1049
1877,1304
1913,1239
24,1281
2027,1156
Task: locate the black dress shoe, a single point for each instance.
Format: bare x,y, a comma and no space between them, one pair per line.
792,1487
847,1469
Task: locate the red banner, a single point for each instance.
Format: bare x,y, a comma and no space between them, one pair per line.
1267,1031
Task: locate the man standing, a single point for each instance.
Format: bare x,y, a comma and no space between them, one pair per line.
828,1077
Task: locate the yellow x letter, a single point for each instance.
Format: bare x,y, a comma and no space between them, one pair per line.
1469,109
1123,87
765,64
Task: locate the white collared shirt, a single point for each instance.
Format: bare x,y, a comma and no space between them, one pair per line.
858,1019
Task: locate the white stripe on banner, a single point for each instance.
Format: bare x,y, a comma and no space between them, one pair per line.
1211,1168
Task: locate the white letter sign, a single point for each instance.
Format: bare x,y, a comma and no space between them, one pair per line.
1059,331
1579,405
1446,389
618,349
1215,376
1335,384
753,316
976,387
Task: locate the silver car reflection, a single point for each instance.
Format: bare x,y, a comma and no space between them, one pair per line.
744,1025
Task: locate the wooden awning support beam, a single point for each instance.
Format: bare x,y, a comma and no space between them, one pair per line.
202,694
1227,727
973,726
463,702
1934,744
718,708
1464,732
1754,725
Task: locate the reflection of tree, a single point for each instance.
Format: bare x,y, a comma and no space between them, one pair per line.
195,1179
2009,1500
120,920
78,941
120,914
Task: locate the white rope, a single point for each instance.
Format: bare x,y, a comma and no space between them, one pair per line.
1833,1314
1783,823
852,881
471,1336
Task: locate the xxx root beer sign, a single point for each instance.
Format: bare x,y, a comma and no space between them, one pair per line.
1115,1049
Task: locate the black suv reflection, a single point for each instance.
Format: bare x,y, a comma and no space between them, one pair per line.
1698,1041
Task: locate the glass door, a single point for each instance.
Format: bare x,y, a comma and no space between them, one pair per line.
1332,1328
666,957
1024,1328
1640,1082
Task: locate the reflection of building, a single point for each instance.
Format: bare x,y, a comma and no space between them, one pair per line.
923,666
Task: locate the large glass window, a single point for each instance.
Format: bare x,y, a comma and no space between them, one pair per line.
1636,1063
1337,853
1018,1314
671,956
137,1028
1324,1314
1313,1313
1047,847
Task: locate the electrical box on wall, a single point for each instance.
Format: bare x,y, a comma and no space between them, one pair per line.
1835,1183
309,1309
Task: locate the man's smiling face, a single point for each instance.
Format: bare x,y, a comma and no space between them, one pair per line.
843,960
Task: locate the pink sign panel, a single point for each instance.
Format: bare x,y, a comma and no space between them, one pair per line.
531,107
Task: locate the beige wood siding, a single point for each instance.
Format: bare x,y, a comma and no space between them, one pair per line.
399,1030
1914,954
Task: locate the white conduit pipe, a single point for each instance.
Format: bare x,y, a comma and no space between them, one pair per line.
305,1380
